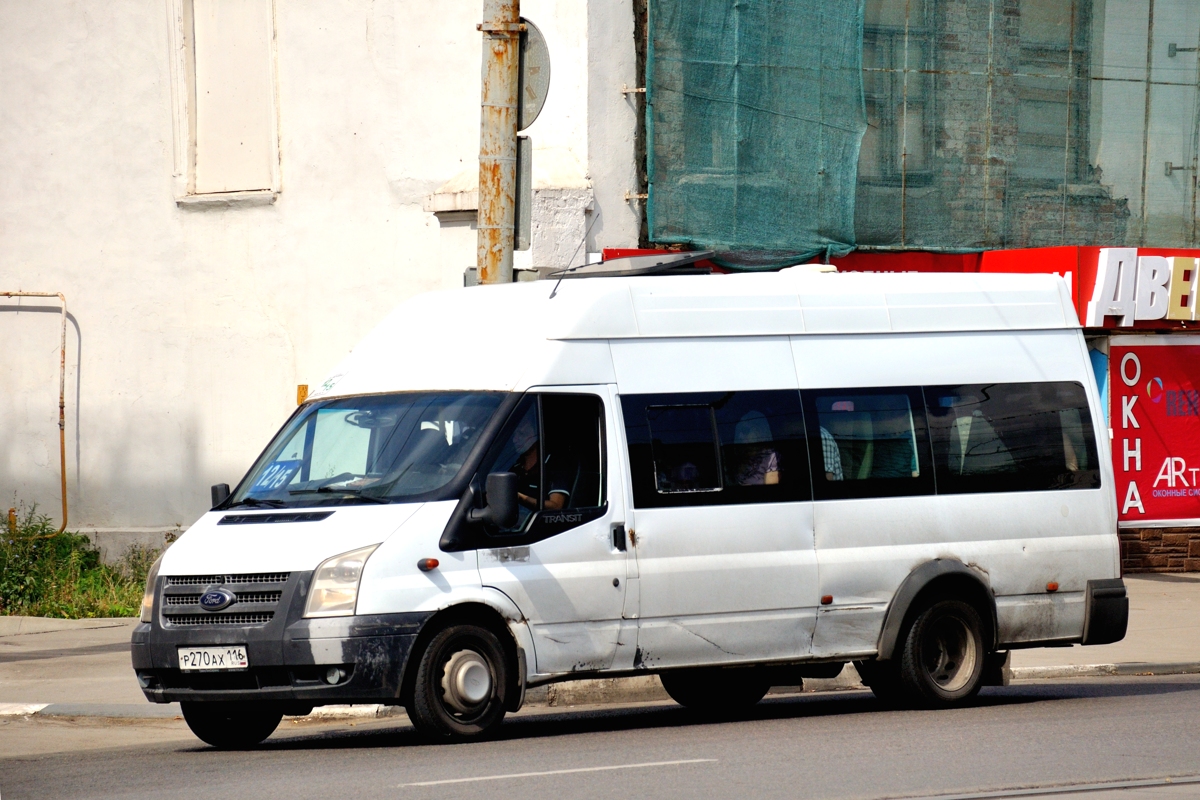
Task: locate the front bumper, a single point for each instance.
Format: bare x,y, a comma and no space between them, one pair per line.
289,656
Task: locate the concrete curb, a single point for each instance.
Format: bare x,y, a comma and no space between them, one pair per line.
603,691
1133,668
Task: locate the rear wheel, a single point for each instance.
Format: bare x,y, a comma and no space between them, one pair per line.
715,689
459,689
943,655
232,726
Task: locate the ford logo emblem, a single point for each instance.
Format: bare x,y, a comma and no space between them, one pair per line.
216,599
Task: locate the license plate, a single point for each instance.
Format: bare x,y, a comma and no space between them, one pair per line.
202,658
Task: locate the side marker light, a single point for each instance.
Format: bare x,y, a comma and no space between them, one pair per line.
826,599
1052,586
427,564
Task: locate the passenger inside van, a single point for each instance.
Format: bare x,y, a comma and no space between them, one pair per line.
833,456
874,436
759,460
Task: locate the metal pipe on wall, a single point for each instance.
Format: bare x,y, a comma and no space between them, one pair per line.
501,29
62,394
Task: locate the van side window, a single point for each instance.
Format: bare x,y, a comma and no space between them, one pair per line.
573,427
872,443
683,443
1012,437
554,443
716,448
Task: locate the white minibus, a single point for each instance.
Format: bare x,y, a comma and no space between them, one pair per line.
730,481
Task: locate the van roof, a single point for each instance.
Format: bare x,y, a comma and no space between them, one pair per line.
479,337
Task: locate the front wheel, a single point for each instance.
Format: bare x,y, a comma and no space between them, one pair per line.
943,655
459,690
232,726
714,689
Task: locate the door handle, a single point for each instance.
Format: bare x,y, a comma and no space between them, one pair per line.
618,533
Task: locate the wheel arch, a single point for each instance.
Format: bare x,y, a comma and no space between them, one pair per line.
941,577
473,612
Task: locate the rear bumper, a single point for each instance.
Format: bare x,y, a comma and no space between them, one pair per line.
288,664
1106,614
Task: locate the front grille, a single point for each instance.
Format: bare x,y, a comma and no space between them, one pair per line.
261,618
257,596
211,580
242,597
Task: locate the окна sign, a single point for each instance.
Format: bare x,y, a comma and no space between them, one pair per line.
1132,288
1155,416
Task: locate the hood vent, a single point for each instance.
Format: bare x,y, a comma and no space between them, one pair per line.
261,519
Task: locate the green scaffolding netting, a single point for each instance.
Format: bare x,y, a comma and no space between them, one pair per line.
755,115
786,128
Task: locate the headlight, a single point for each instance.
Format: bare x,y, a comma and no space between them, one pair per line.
148,596
334,589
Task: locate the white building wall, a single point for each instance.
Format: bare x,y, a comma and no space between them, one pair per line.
191,325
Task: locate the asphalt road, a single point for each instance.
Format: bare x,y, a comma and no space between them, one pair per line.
1049,735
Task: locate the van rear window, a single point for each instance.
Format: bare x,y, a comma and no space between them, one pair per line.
1012,437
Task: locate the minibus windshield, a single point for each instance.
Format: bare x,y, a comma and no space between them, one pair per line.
374,449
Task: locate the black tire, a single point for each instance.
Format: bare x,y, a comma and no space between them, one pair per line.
232,726
715,689
460,684
883,679
943,655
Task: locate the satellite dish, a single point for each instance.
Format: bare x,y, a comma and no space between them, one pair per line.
533,83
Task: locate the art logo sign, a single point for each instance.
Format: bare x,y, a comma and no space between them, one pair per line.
1135,288
1155,417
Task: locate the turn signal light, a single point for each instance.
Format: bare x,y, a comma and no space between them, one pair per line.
427,564
1052,586
826,599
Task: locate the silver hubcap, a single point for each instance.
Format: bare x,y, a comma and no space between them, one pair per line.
950,654
466,681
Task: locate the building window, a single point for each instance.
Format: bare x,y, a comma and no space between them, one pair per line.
1052,92
225,101
897,65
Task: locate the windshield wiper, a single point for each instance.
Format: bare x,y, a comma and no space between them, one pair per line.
255,502
353,493
356,493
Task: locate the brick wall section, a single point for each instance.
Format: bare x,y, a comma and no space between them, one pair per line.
1093,216
1160,550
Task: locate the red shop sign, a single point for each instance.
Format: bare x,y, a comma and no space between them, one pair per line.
1154,386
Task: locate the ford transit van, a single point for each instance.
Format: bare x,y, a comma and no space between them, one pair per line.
730,481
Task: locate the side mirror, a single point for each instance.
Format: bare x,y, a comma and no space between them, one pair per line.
501,509
220,493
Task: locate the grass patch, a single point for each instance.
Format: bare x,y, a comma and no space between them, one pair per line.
44,573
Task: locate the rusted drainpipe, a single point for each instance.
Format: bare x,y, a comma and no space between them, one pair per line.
62,394
498,139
